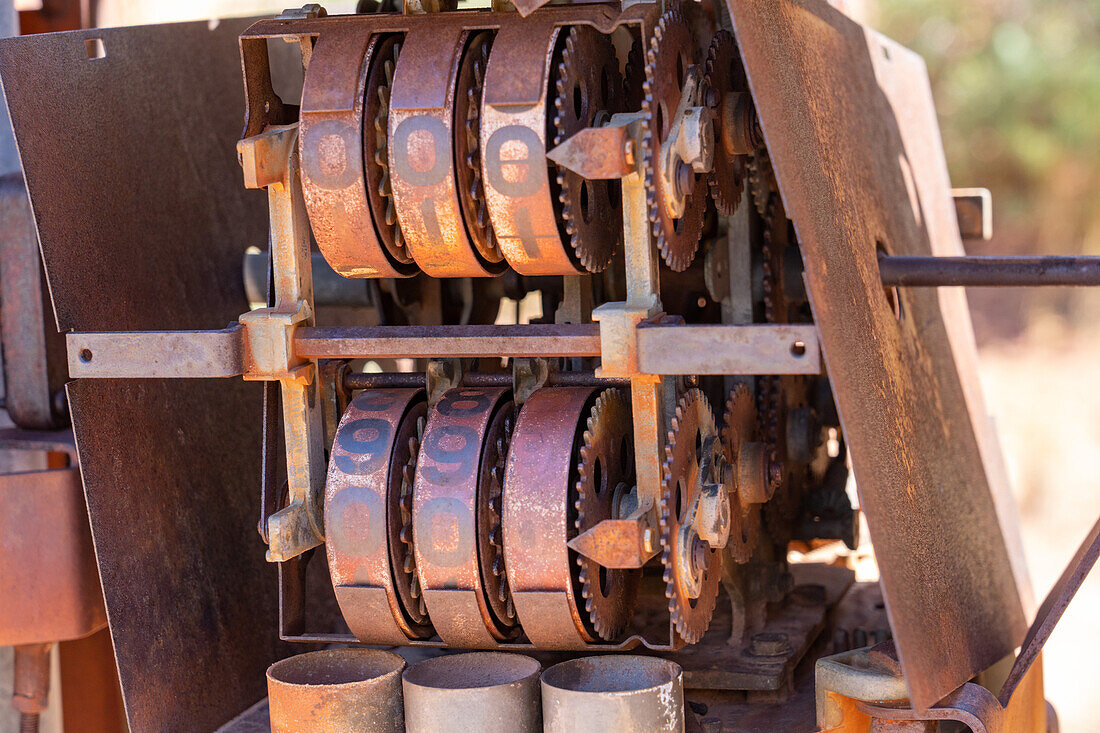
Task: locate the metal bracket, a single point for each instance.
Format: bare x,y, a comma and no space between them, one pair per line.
270,160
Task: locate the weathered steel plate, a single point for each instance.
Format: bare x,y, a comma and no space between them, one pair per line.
851,129
142,219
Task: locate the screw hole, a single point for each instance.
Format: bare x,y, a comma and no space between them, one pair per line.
798,348
94,48
85,355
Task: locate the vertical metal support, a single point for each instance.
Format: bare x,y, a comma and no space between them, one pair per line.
270,161
618,322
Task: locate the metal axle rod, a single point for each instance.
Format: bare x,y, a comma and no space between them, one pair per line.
988,272
413,380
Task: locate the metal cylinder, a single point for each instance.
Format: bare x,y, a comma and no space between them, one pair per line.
490,692
337,690
619,692
988,271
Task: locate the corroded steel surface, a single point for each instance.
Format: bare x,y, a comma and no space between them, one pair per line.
332,127
364,517
337,690
130,228
483,691
542,570
854,172
449,499
620,693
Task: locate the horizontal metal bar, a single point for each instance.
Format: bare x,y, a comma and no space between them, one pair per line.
157,354
415,380
669,349
432,342
754,349
979,271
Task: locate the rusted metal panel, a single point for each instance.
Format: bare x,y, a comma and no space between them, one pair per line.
851,129
137,195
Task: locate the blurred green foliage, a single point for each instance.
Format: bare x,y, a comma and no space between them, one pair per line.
1017,88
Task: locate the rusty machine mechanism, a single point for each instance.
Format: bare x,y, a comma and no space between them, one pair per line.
567,321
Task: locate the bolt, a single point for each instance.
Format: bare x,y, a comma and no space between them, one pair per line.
770,644
649,540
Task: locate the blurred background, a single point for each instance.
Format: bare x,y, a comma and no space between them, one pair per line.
1017,88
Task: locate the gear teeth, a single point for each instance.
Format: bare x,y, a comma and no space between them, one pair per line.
566,70
476,190
381,154
690,622
727,196
607,628
497,566
676,258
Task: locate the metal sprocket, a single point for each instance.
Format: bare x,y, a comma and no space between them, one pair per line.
471,188
375,148
588,89
739,426
724,74
402,558
670,53
605,472
490,511
692,424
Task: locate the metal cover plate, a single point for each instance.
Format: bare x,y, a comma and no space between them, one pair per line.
142,218
851,129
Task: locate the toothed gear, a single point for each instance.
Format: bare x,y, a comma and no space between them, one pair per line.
739,426
671,51
772,404
588,90
404,560
724,74
605,471
493,571
376,147
692,423
471,187
762,183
